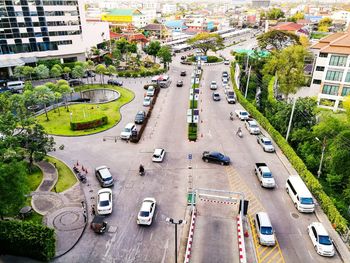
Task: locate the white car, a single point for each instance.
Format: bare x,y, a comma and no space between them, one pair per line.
266,144
320,239
158,155
104,201
252,127
213,85
128,130
150,91
146,213
147,101
226,62
224,81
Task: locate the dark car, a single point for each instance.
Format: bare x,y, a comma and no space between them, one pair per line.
183,57
98,224
89,74
75,82
179,83
115,82
215,157
183,73
140,117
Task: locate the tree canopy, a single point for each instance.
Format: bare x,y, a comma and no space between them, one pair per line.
206,41
277,39
275,14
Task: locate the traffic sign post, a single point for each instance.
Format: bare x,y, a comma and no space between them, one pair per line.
190,161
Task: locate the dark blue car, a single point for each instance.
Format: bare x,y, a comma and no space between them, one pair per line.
215,157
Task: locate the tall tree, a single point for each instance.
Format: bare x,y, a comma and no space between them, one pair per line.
18,72
164,54
206,41
64,89
277,39
111,70
101,69
28,72
42,72
44,96
275,14
152,49
78,72
67,71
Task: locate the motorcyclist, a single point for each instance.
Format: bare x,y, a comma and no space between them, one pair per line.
141,169
239,131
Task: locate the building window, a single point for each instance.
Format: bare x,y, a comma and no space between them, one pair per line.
319,68
317,81
323,55
347,78
334,75
338,60
345,91
330,89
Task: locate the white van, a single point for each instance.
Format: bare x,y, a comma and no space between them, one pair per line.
264,229
128,130
15,85
300,195
163,81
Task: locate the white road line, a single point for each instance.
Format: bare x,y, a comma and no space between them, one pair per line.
300,232
311,255
150,238
165,250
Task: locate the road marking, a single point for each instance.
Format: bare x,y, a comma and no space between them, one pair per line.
300,232
310,255
150,238
165,250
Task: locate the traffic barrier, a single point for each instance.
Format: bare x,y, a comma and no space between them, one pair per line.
190,236
241,245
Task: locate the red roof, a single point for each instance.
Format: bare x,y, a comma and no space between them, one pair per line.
289,26
114,35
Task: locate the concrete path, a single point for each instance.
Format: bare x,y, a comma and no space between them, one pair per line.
63,212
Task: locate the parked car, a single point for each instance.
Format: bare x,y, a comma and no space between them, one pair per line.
226,62
145,216
230,97
215,157
264,229
140,117
150,91
98,224
224,81
183,73
320,239
104,176
128,130
158,155
265,143
147,101
104,202
115,82
216,96
75,82
252,127
213,85
264,175
180,83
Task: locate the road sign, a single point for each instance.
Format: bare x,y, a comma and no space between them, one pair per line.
190,156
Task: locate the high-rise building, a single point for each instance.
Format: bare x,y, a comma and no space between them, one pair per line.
261,3
42,29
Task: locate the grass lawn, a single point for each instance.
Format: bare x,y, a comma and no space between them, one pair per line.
60,124
318,35
66,178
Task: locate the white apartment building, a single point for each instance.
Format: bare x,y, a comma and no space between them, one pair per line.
169,9
43,29
332,69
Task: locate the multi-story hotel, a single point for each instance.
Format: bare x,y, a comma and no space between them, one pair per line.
43,29
332,69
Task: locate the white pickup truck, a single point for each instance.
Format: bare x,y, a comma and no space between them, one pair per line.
242,114
264,175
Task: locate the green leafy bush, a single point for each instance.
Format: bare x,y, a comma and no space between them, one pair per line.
213,59
193,104
142,73
49,63
192,131
127,74
26,239
312,183
135,74
90,124
121,74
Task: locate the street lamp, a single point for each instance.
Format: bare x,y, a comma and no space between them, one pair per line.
179,222
323,149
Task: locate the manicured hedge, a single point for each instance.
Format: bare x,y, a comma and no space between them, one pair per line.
84,125
193,104
26,239
192,131
312,183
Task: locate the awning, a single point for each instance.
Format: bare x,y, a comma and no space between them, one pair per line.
5,63
29,60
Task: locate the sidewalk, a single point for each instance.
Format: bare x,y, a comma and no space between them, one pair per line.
63,212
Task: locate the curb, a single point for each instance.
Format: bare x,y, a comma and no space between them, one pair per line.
241,245
190,236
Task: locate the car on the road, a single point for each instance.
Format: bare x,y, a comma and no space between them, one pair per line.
224,81
75,82
252,127
213,85
145,216
147,101
216,96
183,57
158,155
226,62
104,176
115,82
183,73
320,239
265,143
150,91
225,74
128,130
180,83
140,117
231,97
264,229
216,157
104,201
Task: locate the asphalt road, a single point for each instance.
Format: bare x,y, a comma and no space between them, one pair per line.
168,182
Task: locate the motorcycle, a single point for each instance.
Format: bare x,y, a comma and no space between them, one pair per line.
81,177
231,116
141,170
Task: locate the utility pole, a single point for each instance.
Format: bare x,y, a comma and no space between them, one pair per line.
324,142
291,119
246,88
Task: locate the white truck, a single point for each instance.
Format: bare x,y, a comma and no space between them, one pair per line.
242,114
264,175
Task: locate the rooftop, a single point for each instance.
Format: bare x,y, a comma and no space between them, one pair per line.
288,26
124,12
338,43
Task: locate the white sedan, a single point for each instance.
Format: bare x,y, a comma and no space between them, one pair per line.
252,127
320,239
150,91
104,201
147,101
158,155
145,216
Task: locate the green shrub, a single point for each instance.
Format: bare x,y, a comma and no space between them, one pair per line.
148,73
212,59
142,73
26,239
192,131
49,63
127,74
135,74
121,73
312,183
90,124
193,104
70,65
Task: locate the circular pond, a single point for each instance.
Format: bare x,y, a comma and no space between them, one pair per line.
99,95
